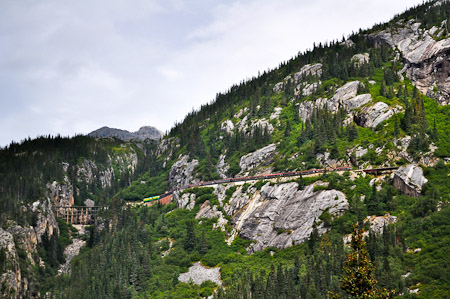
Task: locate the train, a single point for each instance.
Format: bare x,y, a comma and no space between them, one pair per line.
250,178
267,176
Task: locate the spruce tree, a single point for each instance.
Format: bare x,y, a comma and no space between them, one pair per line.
203,244
383,91
358,271
190,240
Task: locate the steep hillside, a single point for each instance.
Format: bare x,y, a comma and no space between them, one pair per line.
377,100
38,175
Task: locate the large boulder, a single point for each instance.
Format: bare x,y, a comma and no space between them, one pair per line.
358,101
409,180
282,215
347,91
378,223
257,158
186,201
372,116
359,59
227,126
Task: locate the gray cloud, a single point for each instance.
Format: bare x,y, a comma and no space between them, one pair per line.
73,66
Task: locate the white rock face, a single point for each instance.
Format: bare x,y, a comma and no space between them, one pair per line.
348,91
199,273
255,159
60,194
305,109
14,238
348,43
377,223
263,124
11,278
167,144
306,70
281,216
187,201
372,116
308,89
359,59
358,101
326,161
241,112
276,113
227,126
206,211
427,60
181,172
360,151
88,172
277,88
409,179
46,220
222,167
249,127
345,97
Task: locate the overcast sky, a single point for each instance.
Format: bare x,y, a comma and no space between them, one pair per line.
74,66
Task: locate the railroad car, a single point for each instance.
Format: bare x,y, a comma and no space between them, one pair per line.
153,198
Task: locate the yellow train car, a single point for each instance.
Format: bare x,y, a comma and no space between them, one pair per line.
152,198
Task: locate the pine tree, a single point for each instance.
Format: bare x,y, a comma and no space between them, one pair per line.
357,279
203,245
434,133
396,128
383,91
287,131
190,240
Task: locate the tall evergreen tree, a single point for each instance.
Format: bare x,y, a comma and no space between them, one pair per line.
358,271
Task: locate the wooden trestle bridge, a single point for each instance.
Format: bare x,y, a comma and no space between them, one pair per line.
78,214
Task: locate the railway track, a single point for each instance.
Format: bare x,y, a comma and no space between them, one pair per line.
375,171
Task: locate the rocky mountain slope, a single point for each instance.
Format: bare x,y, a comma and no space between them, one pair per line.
376,99
143,133
66,172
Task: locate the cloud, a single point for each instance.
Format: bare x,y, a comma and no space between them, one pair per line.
73,66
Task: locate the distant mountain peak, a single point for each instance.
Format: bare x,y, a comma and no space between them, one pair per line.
145,132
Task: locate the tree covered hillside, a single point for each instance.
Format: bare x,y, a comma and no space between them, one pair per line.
38,175
378,99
